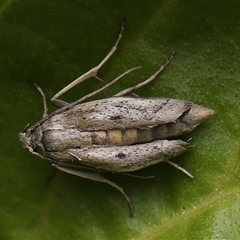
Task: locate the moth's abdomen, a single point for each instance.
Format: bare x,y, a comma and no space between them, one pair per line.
131,136
185,123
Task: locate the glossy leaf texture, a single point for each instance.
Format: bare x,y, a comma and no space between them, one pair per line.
54,42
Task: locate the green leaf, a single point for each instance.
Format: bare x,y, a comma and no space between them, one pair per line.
54,42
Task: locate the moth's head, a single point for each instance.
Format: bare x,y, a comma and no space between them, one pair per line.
25,138
30,138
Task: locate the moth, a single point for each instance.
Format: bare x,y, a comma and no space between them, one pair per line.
121,134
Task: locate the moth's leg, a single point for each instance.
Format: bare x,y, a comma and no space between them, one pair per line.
99,178
106,86
81,167
45,109
91,73
130,90
180,168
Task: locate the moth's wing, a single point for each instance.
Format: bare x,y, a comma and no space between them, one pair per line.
127,112
130,158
